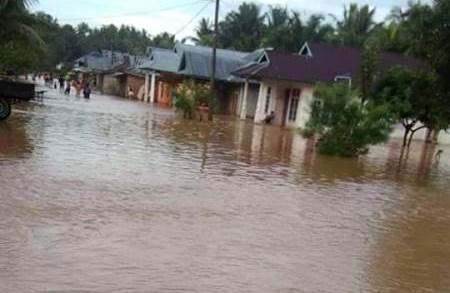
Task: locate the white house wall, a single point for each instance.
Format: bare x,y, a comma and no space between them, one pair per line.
398,132
252,99
277,102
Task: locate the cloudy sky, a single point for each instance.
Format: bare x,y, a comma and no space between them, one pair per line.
180,16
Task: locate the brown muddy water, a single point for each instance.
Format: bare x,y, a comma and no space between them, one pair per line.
110,195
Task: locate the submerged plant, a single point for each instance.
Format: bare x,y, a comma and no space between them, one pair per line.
346,127
189,96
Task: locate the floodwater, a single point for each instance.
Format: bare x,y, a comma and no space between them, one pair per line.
111,195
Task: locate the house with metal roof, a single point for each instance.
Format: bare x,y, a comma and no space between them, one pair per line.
287,80
112,72
168,68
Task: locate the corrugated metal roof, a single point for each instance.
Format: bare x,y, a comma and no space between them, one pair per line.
161,60
195,61
105,60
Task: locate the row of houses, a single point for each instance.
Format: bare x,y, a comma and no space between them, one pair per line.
251,85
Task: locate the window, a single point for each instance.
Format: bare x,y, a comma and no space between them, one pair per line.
266,107
344,79
293,106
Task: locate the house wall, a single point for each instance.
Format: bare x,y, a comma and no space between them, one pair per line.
251,102
233,101
398,132
227,98
137,85
163,93
99,82
280,101
111,86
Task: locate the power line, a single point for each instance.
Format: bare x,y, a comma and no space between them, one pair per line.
148,12
192,19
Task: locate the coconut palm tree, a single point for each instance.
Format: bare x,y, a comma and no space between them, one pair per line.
356,25
243,29
287,31
204,33
278,31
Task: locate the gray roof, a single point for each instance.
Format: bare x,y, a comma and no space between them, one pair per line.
161,60
195,61
105,60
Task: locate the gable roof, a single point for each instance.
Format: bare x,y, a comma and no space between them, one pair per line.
323,64
195,61
161,60
105,61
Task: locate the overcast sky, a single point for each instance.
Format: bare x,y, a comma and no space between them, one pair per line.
176,16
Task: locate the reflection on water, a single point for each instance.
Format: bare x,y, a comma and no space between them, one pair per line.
109,195
14,141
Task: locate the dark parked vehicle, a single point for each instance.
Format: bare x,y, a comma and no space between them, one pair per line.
12,92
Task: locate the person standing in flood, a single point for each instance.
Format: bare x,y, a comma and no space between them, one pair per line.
86,90
67,90
61,83
77,86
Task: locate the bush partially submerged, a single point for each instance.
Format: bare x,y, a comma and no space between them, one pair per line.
345,126
189,96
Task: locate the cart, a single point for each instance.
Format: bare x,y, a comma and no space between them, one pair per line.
12,92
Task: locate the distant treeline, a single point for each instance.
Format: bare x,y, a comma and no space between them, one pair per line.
408,31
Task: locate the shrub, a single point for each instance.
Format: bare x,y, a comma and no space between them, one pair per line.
189,96
345,126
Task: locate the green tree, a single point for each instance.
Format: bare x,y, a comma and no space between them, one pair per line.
189,96
17,36
204,33
345,127
16,21
411,99
440,51
278,31
243,29
356,25
368,69
285,30
164,40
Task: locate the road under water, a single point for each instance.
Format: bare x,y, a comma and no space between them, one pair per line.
110,195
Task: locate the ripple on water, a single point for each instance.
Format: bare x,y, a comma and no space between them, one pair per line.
113,195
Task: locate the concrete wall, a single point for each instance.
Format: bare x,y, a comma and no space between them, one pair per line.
279,102
398,132
137,85
111,86
252,100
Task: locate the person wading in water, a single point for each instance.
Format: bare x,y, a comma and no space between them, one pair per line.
86,90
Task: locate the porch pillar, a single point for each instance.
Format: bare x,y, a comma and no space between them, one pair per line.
146,87
152,87
244,101
237,111
259,114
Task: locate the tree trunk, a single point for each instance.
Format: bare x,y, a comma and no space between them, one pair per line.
428,136
410,137
413,131
405,135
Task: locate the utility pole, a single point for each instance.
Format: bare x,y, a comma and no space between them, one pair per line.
213,62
